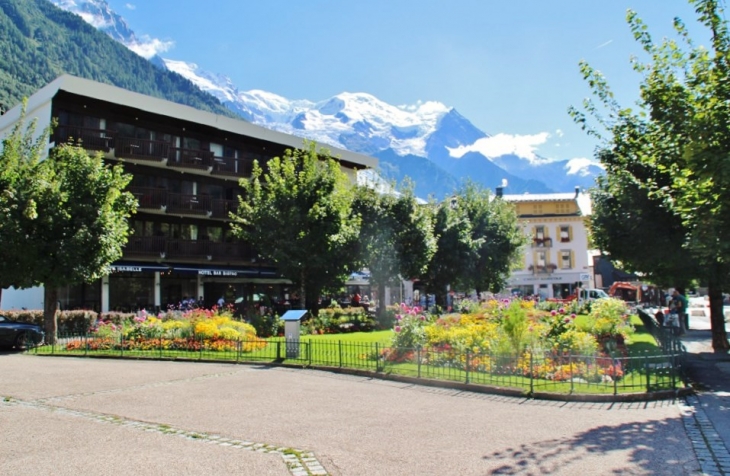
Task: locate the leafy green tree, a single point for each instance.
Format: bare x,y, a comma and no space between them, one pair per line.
67,224
455,248
396,237
680,134
496,236
297,214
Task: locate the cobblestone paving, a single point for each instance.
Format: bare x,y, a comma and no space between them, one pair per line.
708,445
299,462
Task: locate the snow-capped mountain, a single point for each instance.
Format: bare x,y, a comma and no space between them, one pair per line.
428,142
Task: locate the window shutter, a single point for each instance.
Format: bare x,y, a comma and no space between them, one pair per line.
572,259
570,233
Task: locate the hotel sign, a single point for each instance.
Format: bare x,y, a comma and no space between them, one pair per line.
216,272
127,269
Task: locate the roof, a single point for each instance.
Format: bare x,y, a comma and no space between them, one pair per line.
105,92
582,199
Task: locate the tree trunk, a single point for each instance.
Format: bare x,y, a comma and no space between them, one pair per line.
1,297
381,300
717,319
50,306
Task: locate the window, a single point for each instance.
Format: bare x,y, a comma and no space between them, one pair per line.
566,259
540,258
563,208
537,209
539,232
565,233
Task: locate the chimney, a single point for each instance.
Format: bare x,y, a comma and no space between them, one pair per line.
499,191
577,192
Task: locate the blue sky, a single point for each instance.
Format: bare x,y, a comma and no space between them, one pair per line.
509,67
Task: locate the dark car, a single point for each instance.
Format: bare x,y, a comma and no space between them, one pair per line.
21,335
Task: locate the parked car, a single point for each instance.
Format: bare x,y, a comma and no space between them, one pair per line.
21,335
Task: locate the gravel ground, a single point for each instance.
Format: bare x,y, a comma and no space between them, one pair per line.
353,425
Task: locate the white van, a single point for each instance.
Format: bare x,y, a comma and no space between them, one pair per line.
591,294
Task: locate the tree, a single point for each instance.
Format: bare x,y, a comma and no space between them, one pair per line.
455,249
298,215
680,138
497,237
396,237
67,223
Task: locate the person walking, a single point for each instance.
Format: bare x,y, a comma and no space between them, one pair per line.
682,306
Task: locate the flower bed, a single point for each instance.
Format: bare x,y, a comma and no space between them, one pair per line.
194,330
512,337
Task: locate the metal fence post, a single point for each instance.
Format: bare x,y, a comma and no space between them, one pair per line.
86,344
418,356
278,350
646,369
309,352
121,344
615,377
339,345
532,371
466,367
238,349
160,342
200,352
572,380
377,358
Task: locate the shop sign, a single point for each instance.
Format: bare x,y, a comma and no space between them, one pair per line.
216,272
127,269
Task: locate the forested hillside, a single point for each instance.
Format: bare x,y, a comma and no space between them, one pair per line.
39,42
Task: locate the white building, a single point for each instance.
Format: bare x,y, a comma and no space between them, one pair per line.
556,258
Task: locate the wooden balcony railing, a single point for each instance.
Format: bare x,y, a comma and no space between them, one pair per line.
190,158
146,149
233,167
154,150
198,250
189,204
90,139
150,198
181,203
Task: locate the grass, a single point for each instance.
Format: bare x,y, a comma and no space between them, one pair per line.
357,350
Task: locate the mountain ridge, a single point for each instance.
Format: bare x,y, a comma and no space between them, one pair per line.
448,143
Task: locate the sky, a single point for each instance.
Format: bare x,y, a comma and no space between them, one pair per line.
510,67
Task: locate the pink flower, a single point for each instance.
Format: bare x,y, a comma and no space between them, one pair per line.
572,316
553,313
423,318
561,310
416,309
396,328
566,320
398,317
505,301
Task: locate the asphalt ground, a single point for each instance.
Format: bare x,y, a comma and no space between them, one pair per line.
97,416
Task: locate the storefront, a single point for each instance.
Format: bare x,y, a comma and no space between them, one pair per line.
556,285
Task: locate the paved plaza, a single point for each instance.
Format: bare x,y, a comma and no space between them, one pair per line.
96,416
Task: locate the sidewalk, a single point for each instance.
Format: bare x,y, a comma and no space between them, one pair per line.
710,377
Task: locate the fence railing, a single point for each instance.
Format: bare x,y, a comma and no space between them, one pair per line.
531,371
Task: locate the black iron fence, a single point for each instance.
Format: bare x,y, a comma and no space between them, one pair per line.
531,372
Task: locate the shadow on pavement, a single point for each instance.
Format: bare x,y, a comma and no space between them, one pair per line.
652,446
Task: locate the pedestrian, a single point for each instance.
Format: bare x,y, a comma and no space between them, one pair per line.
681,304
221,301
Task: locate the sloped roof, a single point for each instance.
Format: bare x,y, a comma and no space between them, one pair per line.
153,105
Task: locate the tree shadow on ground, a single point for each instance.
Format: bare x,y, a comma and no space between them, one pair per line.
657,447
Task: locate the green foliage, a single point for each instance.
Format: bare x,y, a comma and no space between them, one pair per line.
410,328
515,324
64,218
663,206
335,320
297,214
478,241
39,42
396,237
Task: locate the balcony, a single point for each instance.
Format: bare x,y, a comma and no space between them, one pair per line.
232,167
181,203
161,248
542,242
190,158
153,151
90,139
144,149
539,270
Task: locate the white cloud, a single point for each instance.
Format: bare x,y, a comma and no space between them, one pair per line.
148,47
604,44
503,144
579,166
97,21
559,132
130,6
